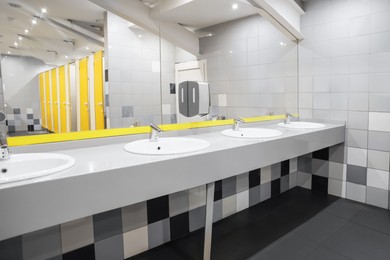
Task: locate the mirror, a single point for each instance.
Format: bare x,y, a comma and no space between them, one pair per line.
149,48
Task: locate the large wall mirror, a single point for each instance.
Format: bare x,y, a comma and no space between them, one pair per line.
151,48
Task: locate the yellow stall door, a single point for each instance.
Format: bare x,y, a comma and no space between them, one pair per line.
54,91
49,122
42,98
98,90
83,92
63,100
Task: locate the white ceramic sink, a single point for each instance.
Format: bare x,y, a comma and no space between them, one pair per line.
302,125
32,165
166,146
252,133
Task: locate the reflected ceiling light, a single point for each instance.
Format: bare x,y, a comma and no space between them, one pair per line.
8,52
15,43
234,6
282,44
87,48
34,21
66,57
26,31
139,35
230,52
209,35
20,38
44,10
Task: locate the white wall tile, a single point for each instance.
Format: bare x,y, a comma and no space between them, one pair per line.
379,82
339,65
358,101
229,206
379,42
380,62
359,26
378,179
321,100
359,82
378,160
335,187
306,100
379,102
359,63
242,200
358,120
266,174
339,83
321,84
359,45
380,22
357,156
339,101
379,121
135,241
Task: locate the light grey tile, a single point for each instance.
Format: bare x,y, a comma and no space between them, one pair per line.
379,82
357,138
217,214
110,248
379,102
265,191
42,244
293,179
379,141
358,82
358,120
228,187
357,174
127,111
197,197
304,180
134,216
336,187
229,206
197,218
377,197
135,241
339,101
356,192
242,182
76,234
320,168
284,183
254,196
304,164
336,171
358,101
339,83
159,233
178,203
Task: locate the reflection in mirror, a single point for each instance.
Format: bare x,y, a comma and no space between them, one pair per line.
251,67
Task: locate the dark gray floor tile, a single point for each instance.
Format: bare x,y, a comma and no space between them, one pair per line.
358,242
323,253
373,217
344,208
321,227
291,246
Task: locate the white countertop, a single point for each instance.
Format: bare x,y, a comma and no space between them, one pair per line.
106,177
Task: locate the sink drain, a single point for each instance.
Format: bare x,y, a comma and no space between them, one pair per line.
3,170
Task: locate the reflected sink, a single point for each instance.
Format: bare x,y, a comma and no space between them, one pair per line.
302,125
32,165
166,146
252,133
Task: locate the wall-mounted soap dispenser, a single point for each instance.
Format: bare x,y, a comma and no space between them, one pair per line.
194,98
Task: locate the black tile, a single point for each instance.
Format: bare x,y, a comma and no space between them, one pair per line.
30,128
17,111
172,88
107,224
285,165
291,246
254,178
229,187
323,253
11,249
344,208
321,227
157,209
322,154
319,183
218,190
275,187
11,129
358,242
179,225
84,253
106,75
375,218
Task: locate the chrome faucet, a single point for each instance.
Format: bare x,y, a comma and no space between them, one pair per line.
154,130
237,122
5,153
287,120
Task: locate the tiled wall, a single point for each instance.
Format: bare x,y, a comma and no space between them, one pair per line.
252,68
344,64
127,231
133,63
21,93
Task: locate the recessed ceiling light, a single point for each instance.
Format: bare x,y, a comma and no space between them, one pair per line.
8,52
66,57
282,44
234,6
20,38
139,35
34,21
44,10
230,52
15,43
26,31
87,48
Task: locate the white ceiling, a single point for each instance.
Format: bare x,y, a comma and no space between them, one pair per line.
46,39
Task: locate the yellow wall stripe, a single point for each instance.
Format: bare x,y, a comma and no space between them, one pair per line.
49,138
